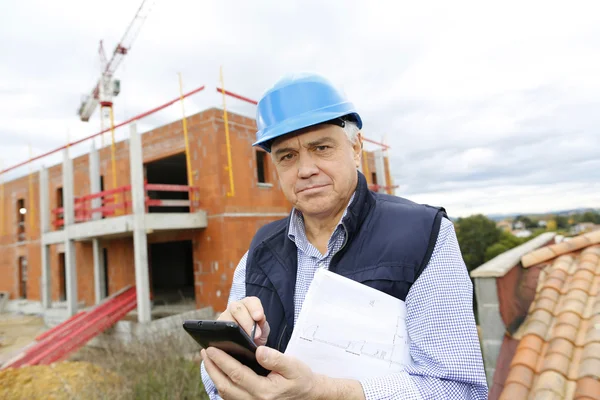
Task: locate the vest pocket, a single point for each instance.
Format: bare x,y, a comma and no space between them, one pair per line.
260,280
389,277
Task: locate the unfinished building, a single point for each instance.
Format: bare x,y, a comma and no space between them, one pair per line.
73,234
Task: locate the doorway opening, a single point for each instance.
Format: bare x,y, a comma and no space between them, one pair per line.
59,204
172,171
62,277
22,277
172,273
105,272
21,211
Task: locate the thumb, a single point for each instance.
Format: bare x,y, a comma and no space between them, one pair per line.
276,361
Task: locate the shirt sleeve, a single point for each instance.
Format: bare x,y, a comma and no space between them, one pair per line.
444,341
238,292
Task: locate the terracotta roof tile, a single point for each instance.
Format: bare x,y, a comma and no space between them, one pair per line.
596,306
588,311
575,362
569,332
591,350
570,389
558,274
562,346
550,381
525,357
549,293
552,251
545,304
558,356
533,342
514,391
584,274
590,367
547,395
574,304
556,362
545,317
569,318
522,375
582,332
593,333
536,328
595,287
563,263
553,283
580,284
587,388
538,256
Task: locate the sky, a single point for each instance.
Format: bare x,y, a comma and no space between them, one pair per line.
488,107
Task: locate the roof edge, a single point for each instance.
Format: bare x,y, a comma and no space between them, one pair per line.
501,264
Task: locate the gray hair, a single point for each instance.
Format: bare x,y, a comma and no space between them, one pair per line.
351,130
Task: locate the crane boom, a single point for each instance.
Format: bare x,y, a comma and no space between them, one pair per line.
106,88
128,37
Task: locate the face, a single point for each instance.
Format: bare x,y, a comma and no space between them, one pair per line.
317,168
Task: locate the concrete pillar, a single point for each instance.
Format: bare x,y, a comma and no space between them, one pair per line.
380,170
99,278
69,217
490,321
45,228
140,243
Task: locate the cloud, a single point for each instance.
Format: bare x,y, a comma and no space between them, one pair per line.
487,107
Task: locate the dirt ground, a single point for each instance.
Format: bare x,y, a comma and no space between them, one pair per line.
64,380
16,332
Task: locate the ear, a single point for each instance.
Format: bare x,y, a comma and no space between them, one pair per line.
357,149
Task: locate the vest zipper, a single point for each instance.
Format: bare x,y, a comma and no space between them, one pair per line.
281,337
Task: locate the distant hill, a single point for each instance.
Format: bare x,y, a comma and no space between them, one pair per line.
500,217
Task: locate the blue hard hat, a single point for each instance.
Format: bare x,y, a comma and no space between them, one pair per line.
298,101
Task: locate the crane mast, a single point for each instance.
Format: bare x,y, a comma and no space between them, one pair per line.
106,88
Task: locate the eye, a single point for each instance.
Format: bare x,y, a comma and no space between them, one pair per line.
322,148
286,157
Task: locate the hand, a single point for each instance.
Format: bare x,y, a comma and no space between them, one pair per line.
244,313
289,379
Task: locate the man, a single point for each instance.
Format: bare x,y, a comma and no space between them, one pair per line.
407,250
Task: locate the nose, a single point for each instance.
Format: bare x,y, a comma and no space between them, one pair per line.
306,166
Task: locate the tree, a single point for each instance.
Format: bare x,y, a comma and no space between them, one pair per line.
475,234
590,216
507,241
551,226
495,250
562,222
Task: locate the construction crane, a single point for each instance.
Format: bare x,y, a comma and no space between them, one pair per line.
106,88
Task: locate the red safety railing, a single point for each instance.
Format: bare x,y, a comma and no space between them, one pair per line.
114,202
59,342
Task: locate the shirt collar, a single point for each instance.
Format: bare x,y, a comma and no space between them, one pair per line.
297,231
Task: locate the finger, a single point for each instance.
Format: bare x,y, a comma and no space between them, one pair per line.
226,388
260,338
238,374
273,360
255,308
241,315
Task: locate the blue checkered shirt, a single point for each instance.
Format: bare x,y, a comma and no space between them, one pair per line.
444,341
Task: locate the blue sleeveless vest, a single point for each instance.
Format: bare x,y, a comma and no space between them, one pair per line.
389,241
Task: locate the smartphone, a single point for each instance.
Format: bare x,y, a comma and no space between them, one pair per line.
227,336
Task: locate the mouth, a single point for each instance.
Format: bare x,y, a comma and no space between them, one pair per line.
309,189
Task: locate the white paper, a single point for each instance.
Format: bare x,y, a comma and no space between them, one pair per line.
349,330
